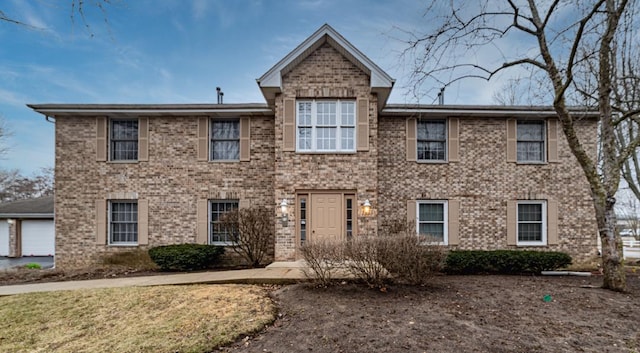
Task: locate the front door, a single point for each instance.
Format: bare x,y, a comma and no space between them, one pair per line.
326,217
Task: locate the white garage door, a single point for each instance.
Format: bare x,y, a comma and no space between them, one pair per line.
4,238
38,238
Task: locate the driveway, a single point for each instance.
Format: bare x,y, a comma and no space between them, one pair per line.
7,262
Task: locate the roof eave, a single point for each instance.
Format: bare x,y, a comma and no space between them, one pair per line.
56,110
25,215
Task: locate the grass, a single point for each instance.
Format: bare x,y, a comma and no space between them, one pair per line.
195,318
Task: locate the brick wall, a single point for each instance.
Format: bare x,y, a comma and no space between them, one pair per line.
323,74
172,181
483,181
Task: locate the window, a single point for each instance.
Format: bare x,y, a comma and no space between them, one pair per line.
217,235
532,223
124,140
225,140
531,141
432,140
303,219
432,220
123,222
349,216
326,126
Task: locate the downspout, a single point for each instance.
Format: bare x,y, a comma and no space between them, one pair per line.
53,121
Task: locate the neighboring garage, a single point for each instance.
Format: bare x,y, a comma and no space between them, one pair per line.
27,228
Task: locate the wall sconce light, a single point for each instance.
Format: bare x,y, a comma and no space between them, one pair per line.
10,221
366,208
284,205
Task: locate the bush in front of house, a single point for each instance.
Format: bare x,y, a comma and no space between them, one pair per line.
186,257
504,261
251,231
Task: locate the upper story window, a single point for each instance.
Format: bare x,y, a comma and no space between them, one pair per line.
225,140
432,140
531,141
531,223
124,140
326,125
123,222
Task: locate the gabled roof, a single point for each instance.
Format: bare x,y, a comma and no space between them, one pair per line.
271,82
41,207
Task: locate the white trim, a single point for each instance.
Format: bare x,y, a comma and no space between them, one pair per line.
339,126
543,242
445,209
209,202
446,141
122,243
545,142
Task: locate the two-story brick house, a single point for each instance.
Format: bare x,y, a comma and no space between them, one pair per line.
326,143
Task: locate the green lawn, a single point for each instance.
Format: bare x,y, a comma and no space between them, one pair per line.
194,318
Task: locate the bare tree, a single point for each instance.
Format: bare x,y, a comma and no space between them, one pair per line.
4,133
573,44
16,186
251,231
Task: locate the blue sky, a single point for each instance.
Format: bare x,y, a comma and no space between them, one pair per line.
178,51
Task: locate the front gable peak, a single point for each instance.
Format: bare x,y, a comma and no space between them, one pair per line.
271,82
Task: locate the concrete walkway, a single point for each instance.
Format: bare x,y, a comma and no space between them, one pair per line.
277,272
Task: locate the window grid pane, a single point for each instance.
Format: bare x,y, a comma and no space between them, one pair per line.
531,141
431,220
225,139
218,209
124,222
326,125
432,140
124,140
530,222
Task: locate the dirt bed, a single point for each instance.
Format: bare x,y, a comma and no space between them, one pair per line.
456,314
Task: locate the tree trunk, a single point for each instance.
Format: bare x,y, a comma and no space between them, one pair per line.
612,256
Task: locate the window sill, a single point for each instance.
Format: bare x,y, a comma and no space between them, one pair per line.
118,245
531,163
223,243
124,162
326,152
531,244
224,160
432,161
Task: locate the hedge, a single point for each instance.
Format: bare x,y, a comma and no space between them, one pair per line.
504,261
185,257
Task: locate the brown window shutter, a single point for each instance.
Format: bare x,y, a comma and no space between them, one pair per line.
143,139
411,212
101,138
245,139
101,222
454,222
552,222
512,213
454,140
143,222
512,141
552,136
289,126
203,139
244,203
202,231
363,125
412,148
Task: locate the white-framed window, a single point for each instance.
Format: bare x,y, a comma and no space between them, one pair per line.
123,139
432,140
531,223
431,220
217,209
326,125
225,140
123,222
531,141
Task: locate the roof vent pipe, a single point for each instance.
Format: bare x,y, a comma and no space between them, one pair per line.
220,94
441,96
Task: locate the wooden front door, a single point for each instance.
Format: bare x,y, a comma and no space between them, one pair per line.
326,217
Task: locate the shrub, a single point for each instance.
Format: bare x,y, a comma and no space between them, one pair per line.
323,259
362,255
137,259
33,266
411,259
185,257
504,261
251,230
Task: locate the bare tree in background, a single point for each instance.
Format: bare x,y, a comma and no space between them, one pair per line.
16,186
4,133
573,44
